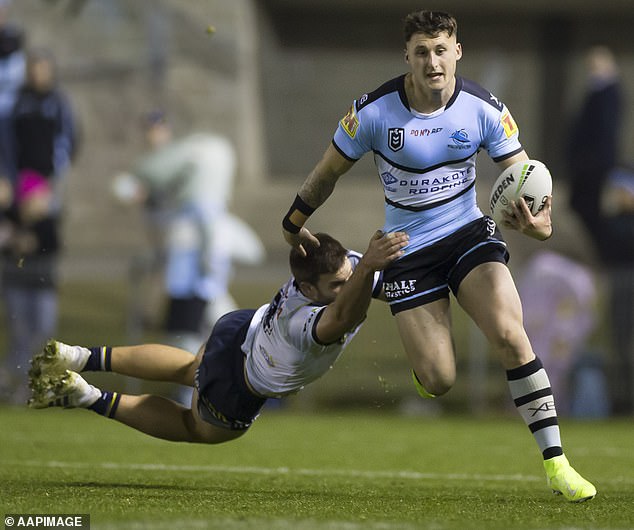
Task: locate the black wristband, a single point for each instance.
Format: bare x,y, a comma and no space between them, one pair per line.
300,206
288,226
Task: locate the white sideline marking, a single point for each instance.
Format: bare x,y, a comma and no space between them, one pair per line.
257,470
253,470
240,523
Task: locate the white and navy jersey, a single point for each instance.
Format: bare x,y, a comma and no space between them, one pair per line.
426,162
282,351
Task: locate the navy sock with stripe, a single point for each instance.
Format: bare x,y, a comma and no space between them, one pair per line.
533,397
100,359
107,404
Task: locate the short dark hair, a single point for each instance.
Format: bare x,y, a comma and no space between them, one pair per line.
430,23
327,258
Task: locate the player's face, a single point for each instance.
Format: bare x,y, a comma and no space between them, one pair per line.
329,285
432,61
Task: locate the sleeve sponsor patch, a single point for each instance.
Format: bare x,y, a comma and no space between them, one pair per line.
510,127
350,123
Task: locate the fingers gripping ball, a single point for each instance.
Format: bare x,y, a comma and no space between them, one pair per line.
529,179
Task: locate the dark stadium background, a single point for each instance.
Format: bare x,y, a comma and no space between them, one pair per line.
275,77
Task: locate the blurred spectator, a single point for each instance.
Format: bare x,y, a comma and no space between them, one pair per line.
29,278
617,253
12,70
43,130
6,200
559,300
44,126
594,137
185,186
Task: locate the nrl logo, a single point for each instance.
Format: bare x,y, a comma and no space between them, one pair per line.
396,138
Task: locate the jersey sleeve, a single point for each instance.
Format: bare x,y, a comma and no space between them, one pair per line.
502,137
353,135
377,281
302,329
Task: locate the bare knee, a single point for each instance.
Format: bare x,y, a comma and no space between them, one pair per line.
436,372
435,381
512,347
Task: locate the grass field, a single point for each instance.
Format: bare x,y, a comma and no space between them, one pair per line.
314,471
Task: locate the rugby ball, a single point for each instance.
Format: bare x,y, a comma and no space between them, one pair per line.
529,179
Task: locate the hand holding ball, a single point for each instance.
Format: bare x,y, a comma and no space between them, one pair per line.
527,179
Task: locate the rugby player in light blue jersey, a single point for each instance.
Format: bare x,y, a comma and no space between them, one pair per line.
425,129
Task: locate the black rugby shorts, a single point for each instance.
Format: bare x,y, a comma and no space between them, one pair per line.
427,274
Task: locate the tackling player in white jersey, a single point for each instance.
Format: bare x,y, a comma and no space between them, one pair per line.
425,129
251,355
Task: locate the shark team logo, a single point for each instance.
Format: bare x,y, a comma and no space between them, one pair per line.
460,137
396,138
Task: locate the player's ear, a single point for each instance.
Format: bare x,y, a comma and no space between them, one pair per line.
458,51
406,56
308,290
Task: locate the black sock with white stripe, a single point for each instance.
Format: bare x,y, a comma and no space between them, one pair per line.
533,397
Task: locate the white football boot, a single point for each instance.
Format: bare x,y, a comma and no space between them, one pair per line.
68,390
57,357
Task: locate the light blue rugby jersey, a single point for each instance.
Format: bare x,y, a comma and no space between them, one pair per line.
426,162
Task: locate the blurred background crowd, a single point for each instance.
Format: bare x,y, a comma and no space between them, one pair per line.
156,145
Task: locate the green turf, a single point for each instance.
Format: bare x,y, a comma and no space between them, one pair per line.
312,471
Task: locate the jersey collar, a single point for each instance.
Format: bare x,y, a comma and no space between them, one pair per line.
403,96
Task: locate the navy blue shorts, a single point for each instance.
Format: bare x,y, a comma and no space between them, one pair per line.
224,399
427,274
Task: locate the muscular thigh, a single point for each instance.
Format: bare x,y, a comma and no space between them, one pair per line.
426,335
489,296
206,432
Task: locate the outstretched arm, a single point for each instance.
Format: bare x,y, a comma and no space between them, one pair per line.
317,187
352,302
